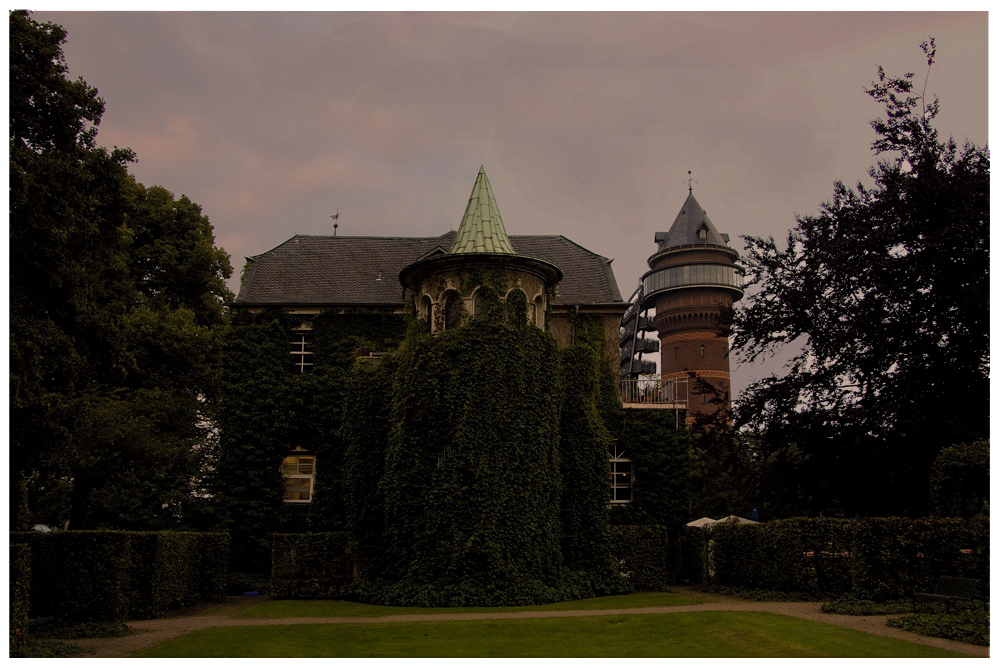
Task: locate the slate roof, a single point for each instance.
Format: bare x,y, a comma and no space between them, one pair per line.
482,230
684,231
354,271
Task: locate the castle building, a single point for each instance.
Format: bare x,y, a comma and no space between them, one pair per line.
692,283
561,282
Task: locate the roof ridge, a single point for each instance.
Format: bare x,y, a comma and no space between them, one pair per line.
567,239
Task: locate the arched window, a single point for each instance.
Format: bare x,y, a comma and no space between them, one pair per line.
425,307
517,302
539,313
452,311
482,299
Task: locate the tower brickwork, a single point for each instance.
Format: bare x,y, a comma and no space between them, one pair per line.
692,283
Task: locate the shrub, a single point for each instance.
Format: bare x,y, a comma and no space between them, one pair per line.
960,480
172,569
43,648
875,559
79,576
311,565
971,626
109,576
20,572
647,555
894,557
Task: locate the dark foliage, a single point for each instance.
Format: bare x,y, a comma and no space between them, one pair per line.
79,576
971,626
311,565
268,410
107,577
20,579
173,569
471,484
872,559
41,648
960,481
884,290
648,556
584,443
116,298
660,449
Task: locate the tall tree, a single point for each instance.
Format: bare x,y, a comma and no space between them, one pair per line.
116,306
886,291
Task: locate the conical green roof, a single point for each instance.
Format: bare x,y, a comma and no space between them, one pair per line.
482,229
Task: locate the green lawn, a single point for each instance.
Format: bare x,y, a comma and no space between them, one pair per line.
286,608
693,634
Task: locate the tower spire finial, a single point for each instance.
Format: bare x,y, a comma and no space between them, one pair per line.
690,181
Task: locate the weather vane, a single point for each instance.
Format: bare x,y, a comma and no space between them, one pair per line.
336,217
690,181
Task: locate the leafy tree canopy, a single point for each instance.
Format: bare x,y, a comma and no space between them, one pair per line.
116,311
885,292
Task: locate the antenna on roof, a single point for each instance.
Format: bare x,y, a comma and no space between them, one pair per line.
336,217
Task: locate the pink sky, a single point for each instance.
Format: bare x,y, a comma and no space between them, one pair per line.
587,123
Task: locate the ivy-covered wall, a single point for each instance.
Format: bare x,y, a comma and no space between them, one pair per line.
584,445
660,449
471,484
467,468
268,409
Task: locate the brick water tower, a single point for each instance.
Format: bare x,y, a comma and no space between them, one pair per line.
692,283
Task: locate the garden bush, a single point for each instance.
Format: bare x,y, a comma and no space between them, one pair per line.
79,576
875,559
311,565
20,573
971,626
648,556
174,569
106,577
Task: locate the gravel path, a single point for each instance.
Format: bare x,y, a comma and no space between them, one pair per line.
151,632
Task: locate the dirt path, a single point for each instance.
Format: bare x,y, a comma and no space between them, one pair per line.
151,632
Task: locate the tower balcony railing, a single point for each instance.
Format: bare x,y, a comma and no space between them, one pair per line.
653,393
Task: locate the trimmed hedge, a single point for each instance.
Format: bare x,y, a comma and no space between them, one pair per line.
648,556
110,576
877,558
79,576
311,565
172,569
20,573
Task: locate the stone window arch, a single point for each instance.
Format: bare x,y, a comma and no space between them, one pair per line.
481,300
517,302
451,306
539,312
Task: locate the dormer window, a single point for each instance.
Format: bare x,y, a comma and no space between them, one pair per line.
703,233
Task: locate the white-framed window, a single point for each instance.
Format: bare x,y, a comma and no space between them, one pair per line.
621,476
301,352
299,470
